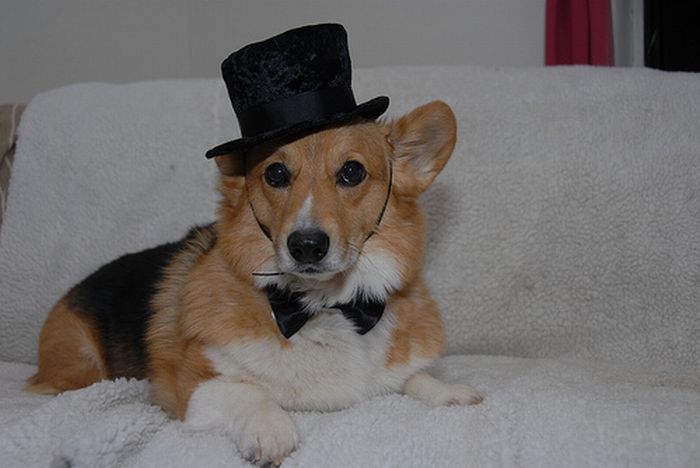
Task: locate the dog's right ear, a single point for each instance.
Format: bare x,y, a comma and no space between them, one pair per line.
231,165
423,141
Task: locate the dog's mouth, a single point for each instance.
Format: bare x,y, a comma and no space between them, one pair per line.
313,272
310,270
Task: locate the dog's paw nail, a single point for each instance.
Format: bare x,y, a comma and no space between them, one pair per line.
459,395
268,438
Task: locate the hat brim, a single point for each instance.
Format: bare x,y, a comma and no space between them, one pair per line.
370,110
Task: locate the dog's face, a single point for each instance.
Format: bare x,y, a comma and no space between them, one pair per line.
321,196
318,198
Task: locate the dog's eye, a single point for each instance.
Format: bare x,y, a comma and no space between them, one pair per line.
351,174
277,175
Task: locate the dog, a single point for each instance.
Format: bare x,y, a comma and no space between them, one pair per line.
305,294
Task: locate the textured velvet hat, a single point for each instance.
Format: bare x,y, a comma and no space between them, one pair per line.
290,85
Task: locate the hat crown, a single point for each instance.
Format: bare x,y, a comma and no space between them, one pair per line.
290,85
297,61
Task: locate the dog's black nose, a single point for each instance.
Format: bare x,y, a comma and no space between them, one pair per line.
309,246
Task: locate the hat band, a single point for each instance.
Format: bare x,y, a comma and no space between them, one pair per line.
310,106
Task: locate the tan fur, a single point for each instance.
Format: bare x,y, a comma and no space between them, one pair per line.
177,364
419,331
70,353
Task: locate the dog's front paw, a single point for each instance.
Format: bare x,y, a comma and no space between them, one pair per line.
268,437
433,392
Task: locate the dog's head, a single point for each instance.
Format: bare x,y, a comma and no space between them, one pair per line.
336,209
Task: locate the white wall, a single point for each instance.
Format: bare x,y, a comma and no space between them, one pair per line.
49,43
628,31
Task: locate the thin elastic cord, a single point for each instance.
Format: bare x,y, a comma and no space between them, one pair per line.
262,227
386,202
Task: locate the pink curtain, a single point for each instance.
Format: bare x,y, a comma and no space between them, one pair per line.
578,32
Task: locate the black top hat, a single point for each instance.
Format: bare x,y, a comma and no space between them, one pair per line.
292,84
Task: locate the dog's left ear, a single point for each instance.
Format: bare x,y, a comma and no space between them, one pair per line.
423,141
231,165
232,180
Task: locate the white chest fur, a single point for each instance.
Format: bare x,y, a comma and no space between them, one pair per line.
328,365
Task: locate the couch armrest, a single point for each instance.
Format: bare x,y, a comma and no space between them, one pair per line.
9,120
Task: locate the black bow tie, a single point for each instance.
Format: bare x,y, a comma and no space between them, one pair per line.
291,315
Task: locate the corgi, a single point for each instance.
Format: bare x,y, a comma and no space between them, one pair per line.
257,314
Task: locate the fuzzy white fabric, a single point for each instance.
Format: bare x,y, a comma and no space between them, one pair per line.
539,412
566,227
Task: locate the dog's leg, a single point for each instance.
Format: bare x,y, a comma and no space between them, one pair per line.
263,431
433,392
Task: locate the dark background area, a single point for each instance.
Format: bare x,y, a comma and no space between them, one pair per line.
672,34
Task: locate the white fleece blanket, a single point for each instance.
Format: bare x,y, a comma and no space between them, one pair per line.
566,227
540,413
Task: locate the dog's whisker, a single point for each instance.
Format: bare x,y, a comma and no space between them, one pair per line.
355,247
266,273
360,253
370,261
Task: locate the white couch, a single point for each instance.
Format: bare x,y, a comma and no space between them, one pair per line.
564,249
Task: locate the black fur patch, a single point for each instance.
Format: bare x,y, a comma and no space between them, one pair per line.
117,300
